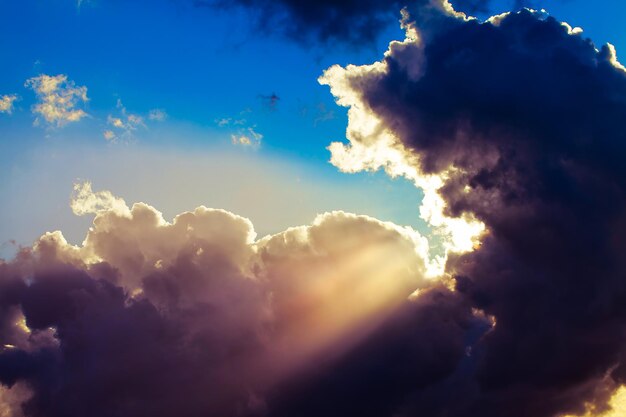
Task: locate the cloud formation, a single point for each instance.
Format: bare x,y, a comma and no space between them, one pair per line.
512,127
355,22
516,121
59,99
6,103
196,316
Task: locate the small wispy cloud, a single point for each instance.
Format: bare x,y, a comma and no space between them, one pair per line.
58,99
243,134
109,135
248,138
223,122
229,121
157,115
323,114
6,103
123,124
80,3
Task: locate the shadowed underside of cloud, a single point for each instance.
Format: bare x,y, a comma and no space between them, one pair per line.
196,317
351,21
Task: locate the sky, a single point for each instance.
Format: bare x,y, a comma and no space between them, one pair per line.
199,66
304,208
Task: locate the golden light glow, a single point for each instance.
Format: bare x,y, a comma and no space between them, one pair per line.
336,305
617,406
373,146
22,325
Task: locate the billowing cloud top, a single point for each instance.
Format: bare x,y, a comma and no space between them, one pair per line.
195,316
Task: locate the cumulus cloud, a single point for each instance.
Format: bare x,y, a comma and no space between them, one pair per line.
512,124
512,127
197,316
59,99
85,201
6,103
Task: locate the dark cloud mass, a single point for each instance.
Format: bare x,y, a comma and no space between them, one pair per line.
352,21
356,22
522,119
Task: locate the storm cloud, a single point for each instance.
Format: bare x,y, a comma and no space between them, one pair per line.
350,21
357,23
520,118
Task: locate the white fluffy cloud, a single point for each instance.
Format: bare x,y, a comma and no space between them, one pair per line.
59,99
137,240
372,145
85,201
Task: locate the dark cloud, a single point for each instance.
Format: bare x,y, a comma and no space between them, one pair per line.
472,7
420,345
356,22
524,118
120,356
328,21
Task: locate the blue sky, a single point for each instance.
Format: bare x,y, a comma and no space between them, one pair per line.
197,66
